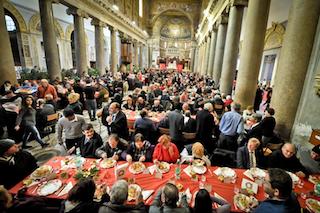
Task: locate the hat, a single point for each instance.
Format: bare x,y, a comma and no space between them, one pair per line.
316,149
5,144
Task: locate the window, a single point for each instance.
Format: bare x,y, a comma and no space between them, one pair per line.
11,26
140,8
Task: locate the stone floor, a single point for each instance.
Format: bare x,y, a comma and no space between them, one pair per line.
44,154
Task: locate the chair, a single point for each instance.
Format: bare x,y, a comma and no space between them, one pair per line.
164,131
50,124
189,137
223,157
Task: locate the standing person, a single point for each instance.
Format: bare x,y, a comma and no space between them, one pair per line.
117,121
75,104
71,124
46,88
91,103
231,125
176,124
205,126
27,119
258,98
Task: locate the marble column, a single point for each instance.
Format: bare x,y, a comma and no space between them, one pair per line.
196,60
252,49
193,52
136,54
231,49
150,55
221,40
99,45
212,51
206,60
293,63
114,56
80,40
7,70
203,50
140,56
49,39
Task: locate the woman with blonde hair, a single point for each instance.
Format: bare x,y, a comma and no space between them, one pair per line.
74,103
165,150
195,151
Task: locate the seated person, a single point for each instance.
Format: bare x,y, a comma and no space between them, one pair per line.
129,105
203,203
165,150
113,147
278,187
118,198
286,159
74,103
90,141
16,163
157,107
141,104
80,198
195,151
139,150
166,201
43,110
249,156
310,159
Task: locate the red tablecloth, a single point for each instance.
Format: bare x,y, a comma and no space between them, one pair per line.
150,182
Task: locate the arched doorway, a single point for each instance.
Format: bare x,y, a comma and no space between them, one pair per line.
13,29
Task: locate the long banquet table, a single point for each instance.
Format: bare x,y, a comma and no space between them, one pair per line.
150,182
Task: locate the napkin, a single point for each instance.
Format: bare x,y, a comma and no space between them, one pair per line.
219,196
152,169
66,189
217,171
189,195
146,194
187,170
248,174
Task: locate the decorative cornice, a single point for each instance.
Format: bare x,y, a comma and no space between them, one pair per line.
77,12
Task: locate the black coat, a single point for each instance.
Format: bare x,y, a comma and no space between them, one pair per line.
190,126
88,150
120,126
87,207
205,126
25,163
115,208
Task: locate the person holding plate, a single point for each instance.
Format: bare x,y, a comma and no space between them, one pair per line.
165,150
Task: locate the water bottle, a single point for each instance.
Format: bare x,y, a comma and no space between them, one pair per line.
78,153
177,170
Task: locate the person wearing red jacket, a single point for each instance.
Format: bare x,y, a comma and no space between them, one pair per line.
165,150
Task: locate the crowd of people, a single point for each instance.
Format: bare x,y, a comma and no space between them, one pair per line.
225,135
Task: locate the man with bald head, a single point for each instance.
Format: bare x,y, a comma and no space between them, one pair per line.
286,159
46,88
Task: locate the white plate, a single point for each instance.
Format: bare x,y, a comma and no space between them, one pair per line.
199,169
108,163
225,172
72,162
137,171
166,167
257,173
50,187
315,207
41,172
133,190
294,177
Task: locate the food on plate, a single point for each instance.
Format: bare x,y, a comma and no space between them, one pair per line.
101,189
64,175
257,173
49,187
313,205
27,182
137,167
81,174
42,172
163,167
198,163
108,163
244,202
133,191
180,186
314,179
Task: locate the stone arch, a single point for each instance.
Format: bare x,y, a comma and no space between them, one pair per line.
35,21
274,36
22,26
69,31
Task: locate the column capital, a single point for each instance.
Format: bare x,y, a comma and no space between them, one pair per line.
77,12
223,19
243,3
97,22
112,28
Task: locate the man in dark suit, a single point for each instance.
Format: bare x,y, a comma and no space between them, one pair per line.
249,156
117,121
176,126
90,142
205,126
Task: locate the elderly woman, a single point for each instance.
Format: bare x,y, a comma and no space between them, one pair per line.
195,151
113,147
139,150
165,150
74,103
